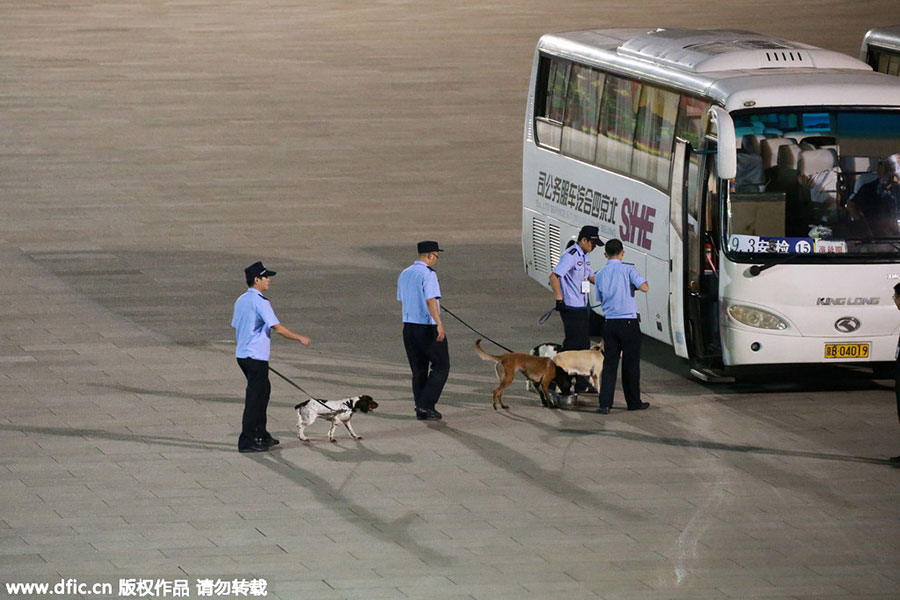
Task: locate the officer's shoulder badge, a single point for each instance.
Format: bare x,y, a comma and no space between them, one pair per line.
572,250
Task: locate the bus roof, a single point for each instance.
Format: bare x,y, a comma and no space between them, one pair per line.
883,37
734,68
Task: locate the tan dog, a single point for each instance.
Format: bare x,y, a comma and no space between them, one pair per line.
538,369
582,362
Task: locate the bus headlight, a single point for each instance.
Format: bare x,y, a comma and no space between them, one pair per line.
755,317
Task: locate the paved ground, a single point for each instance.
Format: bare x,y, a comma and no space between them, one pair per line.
150,150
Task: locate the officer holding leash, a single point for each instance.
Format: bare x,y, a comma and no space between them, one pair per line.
253,322
616,284
571,284
423,331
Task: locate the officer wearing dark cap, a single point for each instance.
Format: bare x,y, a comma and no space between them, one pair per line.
616,284
571,283
423,331
253,322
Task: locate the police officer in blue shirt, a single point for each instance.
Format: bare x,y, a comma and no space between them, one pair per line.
423,331
571,281
253,322
616,284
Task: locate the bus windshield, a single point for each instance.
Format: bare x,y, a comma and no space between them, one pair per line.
815,181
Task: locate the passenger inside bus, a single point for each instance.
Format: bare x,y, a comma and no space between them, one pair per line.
875,208
750,177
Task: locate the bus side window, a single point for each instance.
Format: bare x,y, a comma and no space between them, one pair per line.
550,101
654,134
579,132
618,115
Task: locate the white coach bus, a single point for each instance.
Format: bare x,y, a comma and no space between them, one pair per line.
738,171
881,49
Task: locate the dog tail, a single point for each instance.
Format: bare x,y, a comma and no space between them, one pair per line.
484,355
301,405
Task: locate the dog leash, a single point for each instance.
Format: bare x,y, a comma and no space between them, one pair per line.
311,397
448,311
547,314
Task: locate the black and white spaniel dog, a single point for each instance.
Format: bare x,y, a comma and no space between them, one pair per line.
338,411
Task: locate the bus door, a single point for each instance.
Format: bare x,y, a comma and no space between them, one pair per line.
694,283
680,174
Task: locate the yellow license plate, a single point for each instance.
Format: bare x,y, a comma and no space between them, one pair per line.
847,350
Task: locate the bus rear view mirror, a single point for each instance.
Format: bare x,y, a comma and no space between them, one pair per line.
726,159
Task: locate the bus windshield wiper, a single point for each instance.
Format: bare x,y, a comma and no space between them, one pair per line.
757,269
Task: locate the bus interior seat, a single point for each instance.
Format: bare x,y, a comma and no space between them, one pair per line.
858,171
770,151
819,168
788,157
820,141
750,143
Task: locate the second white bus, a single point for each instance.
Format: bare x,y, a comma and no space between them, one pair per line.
881,49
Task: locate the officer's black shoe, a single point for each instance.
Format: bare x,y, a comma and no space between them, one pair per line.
603,410
428,414
643,406
254,447
270,441
895,460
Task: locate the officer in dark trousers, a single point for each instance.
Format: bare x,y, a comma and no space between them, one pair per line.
616,284
571,281
423,331
896,459
253,322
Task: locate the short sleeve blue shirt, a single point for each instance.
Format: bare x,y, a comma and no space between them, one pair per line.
416,284
574,266
253,321
615,285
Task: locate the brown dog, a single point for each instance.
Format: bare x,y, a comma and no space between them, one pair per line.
538,369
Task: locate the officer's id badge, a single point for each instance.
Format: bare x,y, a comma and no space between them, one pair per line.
585,287
579,263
